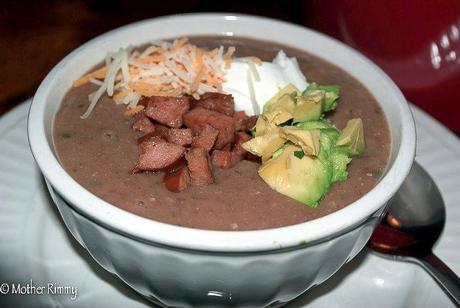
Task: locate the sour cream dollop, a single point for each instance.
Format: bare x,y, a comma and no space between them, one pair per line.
268,79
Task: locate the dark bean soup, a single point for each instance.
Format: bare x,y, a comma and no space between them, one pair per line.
100,152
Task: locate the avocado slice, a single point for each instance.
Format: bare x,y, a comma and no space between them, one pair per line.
280,111
286,102
261,126
265,145
308,140
303,179
331,93
309,108
277,116
321,124
352,137
339,161
335,159
289,90
302,152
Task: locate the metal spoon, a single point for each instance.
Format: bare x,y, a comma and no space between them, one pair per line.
414,221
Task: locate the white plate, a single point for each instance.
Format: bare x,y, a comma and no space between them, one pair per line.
35,246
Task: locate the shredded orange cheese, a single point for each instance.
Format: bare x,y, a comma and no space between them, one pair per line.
162,69
97,74
132,111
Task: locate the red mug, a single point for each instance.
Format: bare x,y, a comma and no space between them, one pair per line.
417,43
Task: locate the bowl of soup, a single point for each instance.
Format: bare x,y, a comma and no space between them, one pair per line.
234,240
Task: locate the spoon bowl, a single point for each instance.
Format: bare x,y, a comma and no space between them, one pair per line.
412,225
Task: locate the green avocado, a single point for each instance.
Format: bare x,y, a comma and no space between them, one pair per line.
310,107
308,140
339,161
331,93
303,179
261,127
283,96
286,102
321,124
302,152
335,159
265,145
352,138
277,116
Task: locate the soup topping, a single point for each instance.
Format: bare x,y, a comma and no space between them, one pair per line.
302,152
162,69
186,137
181,98
181,68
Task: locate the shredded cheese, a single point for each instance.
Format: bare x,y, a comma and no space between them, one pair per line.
162,69
134,110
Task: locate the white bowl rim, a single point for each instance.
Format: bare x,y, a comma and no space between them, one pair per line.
209,240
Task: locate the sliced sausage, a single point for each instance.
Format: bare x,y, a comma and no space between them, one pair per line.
219,102
159,131
243,122
240,138
181,136
178,180
238,118
199,167
197,118
224,159
167,110
248,123
156,155
148,141
143,124
206,138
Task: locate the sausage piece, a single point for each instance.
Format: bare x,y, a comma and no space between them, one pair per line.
219,102
157,154
243,122
181,136
199,166
240,138
224,159
206,138
198,118
167,110
143,124
178,180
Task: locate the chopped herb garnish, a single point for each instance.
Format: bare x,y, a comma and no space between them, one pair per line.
299,154
66,135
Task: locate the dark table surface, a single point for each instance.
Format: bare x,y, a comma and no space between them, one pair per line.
36,35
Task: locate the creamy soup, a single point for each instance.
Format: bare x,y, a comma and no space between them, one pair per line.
100,152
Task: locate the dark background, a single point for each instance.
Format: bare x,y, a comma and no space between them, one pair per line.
36,35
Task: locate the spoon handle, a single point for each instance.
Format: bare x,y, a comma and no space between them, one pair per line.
445,277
